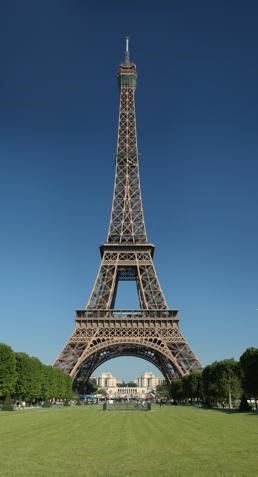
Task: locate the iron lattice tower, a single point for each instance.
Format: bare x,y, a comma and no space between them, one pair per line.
103,332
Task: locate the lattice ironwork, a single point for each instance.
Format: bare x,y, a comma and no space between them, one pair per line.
102,332
129,265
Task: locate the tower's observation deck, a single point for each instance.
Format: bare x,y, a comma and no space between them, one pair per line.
127,76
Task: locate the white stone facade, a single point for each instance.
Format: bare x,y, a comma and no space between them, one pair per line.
149,381
106,381
145,385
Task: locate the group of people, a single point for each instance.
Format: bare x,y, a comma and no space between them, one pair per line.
21,404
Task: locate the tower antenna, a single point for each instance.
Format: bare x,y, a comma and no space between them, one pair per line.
127,58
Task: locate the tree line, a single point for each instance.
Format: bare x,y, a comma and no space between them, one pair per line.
25,378
222,382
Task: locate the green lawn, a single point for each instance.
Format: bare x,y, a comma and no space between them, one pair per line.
85,441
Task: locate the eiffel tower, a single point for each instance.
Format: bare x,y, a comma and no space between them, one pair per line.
103,332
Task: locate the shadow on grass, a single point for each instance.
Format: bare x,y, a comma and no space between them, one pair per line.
231,411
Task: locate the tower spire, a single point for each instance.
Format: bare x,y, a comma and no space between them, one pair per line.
127,58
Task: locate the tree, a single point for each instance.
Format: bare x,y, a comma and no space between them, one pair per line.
7,405
244,405
29,379
68,386
24,370
90,387
63,384
58,376
163,390
176,389
37,378
7,370
222,382
249,367
102,391
229,380
209,385
49,389
192,386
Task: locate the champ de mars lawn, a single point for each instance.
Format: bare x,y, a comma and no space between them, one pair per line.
85,441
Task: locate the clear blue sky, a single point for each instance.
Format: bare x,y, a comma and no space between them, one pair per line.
197,113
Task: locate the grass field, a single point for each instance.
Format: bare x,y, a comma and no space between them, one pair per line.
85,441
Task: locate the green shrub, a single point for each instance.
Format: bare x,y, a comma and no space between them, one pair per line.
46,404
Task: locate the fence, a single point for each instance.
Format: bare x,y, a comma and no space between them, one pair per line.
127,406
